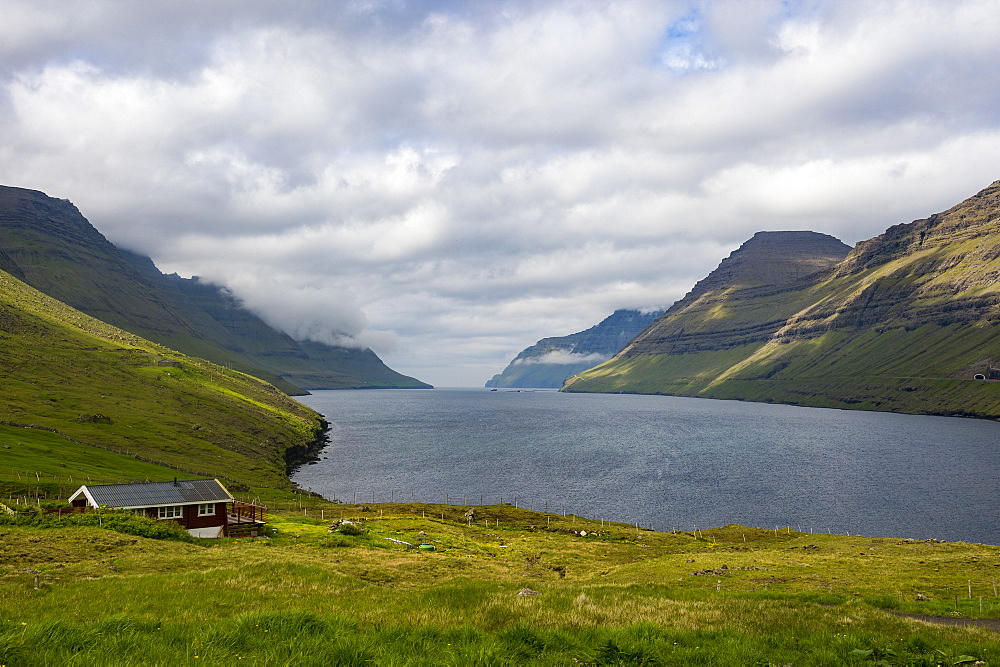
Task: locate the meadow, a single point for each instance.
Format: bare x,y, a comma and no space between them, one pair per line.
506,586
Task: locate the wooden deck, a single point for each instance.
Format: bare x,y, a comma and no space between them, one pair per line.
241,512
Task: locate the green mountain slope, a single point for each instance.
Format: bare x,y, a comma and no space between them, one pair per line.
903,323
548,363
51,246
81,391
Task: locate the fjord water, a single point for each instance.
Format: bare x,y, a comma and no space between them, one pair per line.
664,462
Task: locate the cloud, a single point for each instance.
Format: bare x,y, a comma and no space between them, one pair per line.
562,357
306,313
450,182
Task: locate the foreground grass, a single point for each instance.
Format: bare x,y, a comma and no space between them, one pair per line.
732,595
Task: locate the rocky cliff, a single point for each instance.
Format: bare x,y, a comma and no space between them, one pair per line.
548,363
904,322
50,245
747,298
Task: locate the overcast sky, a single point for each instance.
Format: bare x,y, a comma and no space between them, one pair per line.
448,182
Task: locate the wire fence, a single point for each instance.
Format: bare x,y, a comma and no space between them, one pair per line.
563,506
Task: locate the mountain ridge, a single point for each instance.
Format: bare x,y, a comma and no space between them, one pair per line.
48,243
767,265
548,363
903,322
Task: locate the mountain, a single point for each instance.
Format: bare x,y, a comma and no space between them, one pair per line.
117,407
904,322
548,363
50,245
747,298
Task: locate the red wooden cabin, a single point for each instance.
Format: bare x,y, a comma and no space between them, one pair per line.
202,506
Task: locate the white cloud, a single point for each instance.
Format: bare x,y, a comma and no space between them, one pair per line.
562,357
798,38
450,182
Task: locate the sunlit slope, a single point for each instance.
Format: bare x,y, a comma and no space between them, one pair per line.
903,323
47,243
102,387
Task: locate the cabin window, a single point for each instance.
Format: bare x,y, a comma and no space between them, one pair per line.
206,509
139,511
172,512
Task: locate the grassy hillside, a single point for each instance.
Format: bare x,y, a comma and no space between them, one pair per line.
83,398
895,370
903,323
617,595
47,243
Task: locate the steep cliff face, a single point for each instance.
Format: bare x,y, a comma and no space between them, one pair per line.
941,270
904,322
50,245
747,298
548,363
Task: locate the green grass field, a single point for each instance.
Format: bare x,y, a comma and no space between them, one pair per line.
617,595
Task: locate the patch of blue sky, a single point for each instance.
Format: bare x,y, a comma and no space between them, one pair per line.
685,47
797,10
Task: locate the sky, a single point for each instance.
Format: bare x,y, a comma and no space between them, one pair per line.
448,182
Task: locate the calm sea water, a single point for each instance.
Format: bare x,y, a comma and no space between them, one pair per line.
665,462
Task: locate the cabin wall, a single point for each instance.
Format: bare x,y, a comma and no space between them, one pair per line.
190,519
189,514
